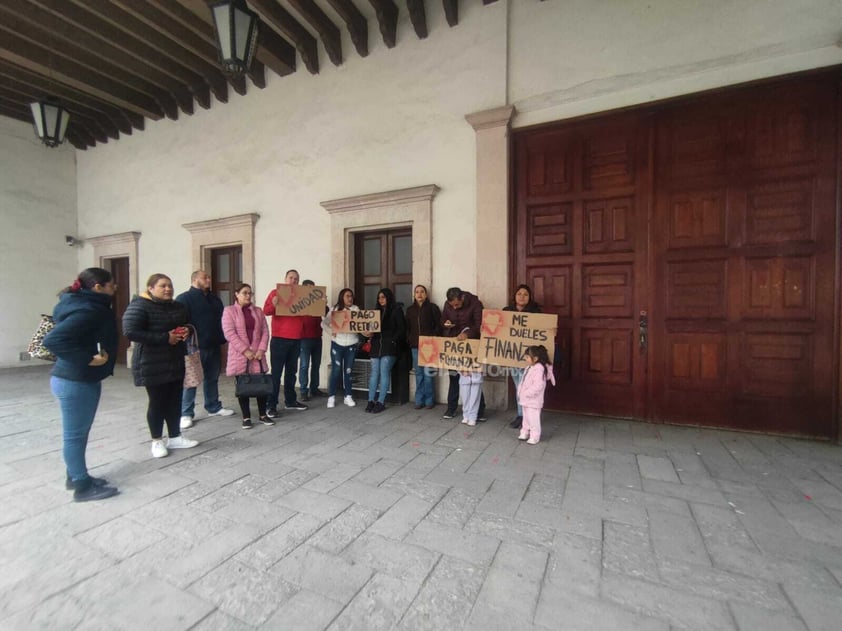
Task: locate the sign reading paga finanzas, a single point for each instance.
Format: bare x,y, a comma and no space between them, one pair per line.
505,335
449,353
301,300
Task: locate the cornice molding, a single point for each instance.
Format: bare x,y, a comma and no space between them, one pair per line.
224,223
376,200
108,239
497,117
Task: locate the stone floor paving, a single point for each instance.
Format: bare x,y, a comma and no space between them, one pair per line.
338,519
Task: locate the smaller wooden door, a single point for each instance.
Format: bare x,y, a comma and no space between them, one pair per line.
119,269
226,272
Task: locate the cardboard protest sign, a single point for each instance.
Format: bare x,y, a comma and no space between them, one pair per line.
505,335
357,321
301,300
448,352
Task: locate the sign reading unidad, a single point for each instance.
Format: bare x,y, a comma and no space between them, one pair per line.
301,300
449,353
505,335
355,321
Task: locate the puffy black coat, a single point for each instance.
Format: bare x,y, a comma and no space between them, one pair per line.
392,337
147,322
83,318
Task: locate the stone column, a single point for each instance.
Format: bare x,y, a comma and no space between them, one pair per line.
492,236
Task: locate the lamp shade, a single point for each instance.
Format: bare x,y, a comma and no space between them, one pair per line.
236,35
50,120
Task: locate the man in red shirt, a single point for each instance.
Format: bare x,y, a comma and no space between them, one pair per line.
285,348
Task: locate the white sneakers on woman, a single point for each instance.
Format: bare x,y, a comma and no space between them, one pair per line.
331,402
159,446
349,401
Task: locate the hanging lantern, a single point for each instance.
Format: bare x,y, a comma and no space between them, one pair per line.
236,35
50,120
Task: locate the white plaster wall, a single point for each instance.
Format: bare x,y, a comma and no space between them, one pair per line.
37,209
583,56
392,120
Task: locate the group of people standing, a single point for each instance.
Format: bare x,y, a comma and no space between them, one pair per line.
84,341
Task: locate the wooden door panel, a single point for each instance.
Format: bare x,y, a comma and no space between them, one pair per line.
714,217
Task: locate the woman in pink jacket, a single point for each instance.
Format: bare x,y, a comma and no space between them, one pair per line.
244,326
530,392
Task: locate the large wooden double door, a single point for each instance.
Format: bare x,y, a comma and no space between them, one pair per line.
689,250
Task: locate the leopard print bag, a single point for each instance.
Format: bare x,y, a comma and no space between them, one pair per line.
36,348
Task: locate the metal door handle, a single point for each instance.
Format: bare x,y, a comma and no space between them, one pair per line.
643,331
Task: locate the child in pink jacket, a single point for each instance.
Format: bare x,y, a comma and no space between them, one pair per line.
530,392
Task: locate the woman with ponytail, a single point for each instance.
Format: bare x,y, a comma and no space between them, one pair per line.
84,342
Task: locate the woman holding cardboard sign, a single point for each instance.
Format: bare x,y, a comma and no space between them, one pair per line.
343,350
521,301
422,318
385,347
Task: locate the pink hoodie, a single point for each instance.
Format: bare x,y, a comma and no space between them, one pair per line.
530,392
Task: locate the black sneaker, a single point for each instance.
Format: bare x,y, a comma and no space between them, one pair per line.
305,396
68,483
481,417
247,423
378,407
370,406
449,414
94,493
272,413
296,406
317,393
266,420
517,423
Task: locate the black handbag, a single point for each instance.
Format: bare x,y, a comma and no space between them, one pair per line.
253,385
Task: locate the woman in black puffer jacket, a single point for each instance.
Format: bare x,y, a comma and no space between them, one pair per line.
385,348
156,325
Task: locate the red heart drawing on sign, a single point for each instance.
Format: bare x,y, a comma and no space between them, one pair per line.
338,318
427,351
492,321
286,295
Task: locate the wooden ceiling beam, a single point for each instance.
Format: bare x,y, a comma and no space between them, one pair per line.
387,17
56,43
23,53
42,25
418,17
74,140
355,22
122,119
275,16
323,25
106,32
132,27
272,50
451,11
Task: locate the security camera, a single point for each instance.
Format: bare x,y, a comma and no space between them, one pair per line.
70,241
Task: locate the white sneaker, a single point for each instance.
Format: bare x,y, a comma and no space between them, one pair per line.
222,412
159,449
186,422
464,421
180,442
349,401
331,402
471,423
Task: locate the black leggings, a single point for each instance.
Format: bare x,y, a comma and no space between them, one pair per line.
164,404
245,408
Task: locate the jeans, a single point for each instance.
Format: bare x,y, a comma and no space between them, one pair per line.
341,363
453,395
211,361
423,381
285,353
517,377
381,371
78,401
311,362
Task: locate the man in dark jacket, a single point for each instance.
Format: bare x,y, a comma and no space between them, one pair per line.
461,318
204,309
